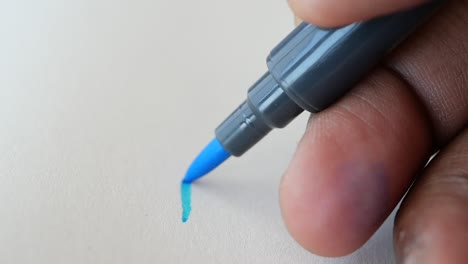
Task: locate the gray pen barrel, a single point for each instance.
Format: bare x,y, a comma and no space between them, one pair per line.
310,70
315,66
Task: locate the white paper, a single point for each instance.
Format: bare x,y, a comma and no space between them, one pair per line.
103,105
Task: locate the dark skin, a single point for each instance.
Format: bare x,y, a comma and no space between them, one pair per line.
359,157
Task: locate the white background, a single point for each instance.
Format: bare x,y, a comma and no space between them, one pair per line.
103,105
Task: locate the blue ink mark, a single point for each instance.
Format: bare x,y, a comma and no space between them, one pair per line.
186,196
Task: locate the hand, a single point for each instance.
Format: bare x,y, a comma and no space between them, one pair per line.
359,157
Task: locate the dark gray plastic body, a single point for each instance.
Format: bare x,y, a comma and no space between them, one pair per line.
310,70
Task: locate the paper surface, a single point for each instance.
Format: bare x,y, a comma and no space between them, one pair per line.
103,106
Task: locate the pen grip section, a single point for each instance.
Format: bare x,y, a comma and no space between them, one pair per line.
267,107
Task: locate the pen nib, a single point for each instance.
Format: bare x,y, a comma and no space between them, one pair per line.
211,157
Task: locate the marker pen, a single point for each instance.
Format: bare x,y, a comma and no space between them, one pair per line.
309,70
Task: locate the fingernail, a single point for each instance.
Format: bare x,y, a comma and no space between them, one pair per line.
410,248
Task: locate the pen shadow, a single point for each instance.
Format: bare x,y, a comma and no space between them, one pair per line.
259,200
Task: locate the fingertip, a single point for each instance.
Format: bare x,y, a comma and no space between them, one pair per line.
314,12
352,166
331,202
430,226
333,13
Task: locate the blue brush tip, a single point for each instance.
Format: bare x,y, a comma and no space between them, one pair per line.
211,157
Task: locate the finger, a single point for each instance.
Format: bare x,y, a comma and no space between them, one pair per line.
353,165
331,13
435,64
432,224
379,129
